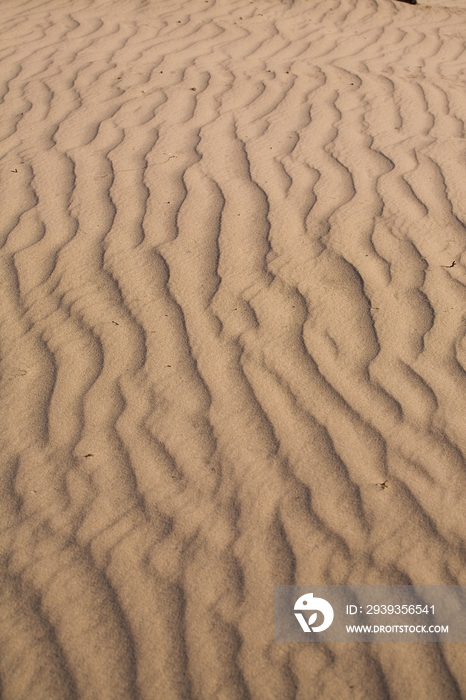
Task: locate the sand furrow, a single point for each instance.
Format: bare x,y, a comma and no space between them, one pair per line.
232,340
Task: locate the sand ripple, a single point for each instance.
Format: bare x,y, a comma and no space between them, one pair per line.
232,293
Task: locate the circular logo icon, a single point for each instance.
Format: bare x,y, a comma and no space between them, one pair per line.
312,605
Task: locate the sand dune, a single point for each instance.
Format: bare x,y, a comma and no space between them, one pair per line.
233,352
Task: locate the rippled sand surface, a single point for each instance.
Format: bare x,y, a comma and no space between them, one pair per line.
232,340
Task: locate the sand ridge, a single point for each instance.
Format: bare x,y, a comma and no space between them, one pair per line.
232,339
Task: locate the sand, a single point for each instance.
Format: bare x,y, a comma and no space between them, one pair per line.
232,340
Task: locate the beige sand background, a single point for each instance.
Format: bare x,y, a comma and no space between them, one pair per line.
232,307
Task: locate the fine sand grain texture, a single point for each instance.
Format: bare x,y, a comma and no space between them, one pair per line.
232,340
